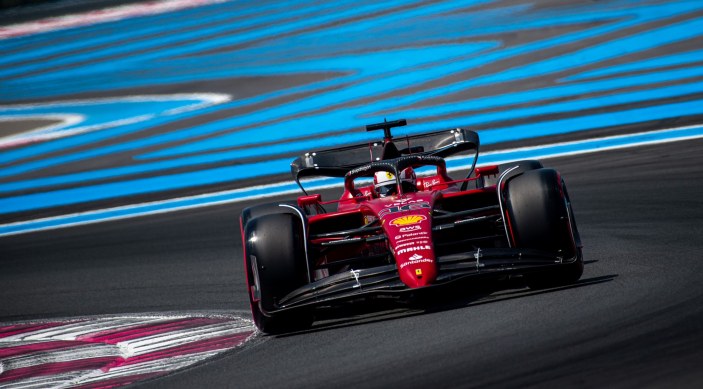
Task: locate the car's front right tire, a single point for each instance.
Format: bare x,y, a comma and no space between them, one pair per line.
275,263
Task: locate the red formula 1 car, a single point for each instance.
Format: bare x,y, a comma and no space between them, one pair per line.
403,225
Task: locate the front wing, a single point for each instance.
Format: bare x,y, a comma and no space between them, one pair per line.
384,280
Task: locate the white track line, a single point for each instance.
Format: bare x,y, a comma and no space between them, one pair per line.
69,122
283,188
100,16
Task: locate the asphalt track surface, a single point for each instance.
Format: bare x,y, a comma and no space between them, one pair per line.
634,319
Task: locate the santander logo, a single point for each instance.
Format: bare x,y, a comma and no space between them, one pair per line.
414,260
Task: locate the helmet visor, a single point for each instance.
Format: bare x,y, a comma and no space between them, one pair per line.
388,189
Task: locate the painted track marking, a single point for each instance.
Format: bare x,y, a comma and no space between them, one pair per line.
282,188
100,16
112,350
431,72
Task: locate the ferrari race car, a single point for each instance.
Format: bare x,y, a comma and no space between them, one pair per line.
403,225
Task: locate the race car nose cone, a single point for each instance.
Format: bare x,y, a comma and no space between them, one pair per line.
419,275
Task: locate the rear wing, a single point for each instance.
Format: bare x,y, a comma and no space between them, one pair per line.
338,162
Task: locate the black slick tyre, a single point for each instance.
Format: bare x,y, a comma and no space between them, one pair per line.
540,217
263,209
276,265
516,168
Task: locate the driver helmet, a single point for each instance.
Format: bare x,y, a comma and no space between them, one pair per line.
385,184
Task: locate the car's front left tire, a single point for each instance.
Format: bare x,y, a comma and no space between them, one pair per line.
541,218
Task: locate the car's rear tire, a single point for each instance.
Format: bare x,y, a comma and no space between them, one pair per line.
275,265
540,217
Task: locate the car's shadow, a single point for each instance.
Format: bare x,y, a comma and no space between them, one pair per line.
438,300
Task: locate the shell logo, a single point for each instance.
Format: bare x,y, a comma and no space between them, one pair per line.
407,220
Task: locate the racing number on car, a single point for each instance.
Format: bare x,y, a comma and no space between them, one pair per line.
405,207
